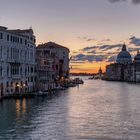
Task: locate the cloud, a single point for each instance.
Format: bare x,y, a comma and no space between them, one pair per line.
105,52
92,52
133,1
108,47
101,48
79,57
106,40
90,39
136,1
90,48
96,58
112,58
134,40
133,49
116,1
97,53
90,58
86,38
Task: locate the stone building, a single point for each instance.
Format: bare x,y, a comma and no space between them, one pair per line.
62,53
124,69
136,67
47,69
52,64
17,61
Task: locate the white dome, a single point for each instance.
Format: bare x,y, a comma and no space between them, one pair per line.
124,56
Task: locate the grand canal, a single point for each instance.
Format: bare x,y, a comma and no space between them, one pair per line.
97,110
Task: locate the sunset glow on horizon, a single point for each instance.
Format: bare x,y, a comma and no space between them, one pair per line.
89,67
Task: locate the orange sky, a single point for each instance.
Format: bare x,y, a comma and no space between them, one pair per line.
88,67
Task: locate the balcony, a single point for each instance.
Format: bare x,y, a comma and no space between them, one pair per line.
17,61
16,77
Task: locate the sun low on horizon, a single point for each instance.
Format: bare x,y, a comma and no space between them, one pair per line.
93,30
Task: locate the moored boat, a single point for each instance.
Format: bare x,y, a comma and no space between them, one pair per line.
41,93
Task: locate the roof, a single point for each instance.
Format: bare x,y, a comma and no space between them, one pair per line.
124,56
18,32
22,31
51,45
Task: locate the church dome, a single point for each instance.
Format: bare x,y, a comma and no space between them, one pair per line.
124,56
137,57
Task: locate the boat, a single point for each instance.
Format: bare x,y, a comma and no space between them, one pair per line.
42,93
59,88
91,78
71,85
78,81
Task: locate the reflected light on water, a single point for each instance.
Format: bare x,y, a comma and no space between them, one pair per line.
97,110
23,106
20,107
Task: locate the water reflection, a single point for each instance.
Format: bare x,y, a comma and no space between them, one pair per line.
20,107
96,110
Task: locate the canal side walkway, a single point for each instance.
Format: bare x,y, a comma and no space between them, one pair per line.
66,84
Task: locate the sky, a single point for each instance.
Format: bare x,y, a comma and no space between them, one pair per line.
93,30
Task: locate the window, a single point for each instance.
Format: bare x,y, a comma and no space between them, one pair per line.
31,38
7,71
20,40
25,71
32,70
21,71
7,84
25,42
1,51
0,69
1,35
28,69
32,79
11,38
7,37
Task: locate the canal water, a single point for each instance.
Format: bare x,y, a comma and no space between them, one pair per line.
97,110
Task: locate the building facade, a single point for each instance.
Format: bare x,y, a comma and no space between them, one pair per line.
62,53
52,64
17,61
124,69
47,69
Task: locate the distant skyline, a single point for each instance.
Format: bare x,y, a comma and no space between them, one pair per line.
93,30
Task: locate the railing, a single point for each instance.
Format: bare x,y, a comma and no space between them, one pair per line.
16,76
14,60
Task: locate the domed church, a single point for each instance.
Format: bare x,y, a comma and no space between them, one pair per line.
124,56
124,69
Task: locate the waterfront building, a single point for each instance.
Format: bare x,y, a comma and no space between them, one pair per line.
62,53
124,69
136,67
17,61
124,56
47,69
52,65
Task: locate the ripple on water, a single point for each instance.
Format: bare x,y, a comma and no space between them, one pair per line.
97,110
